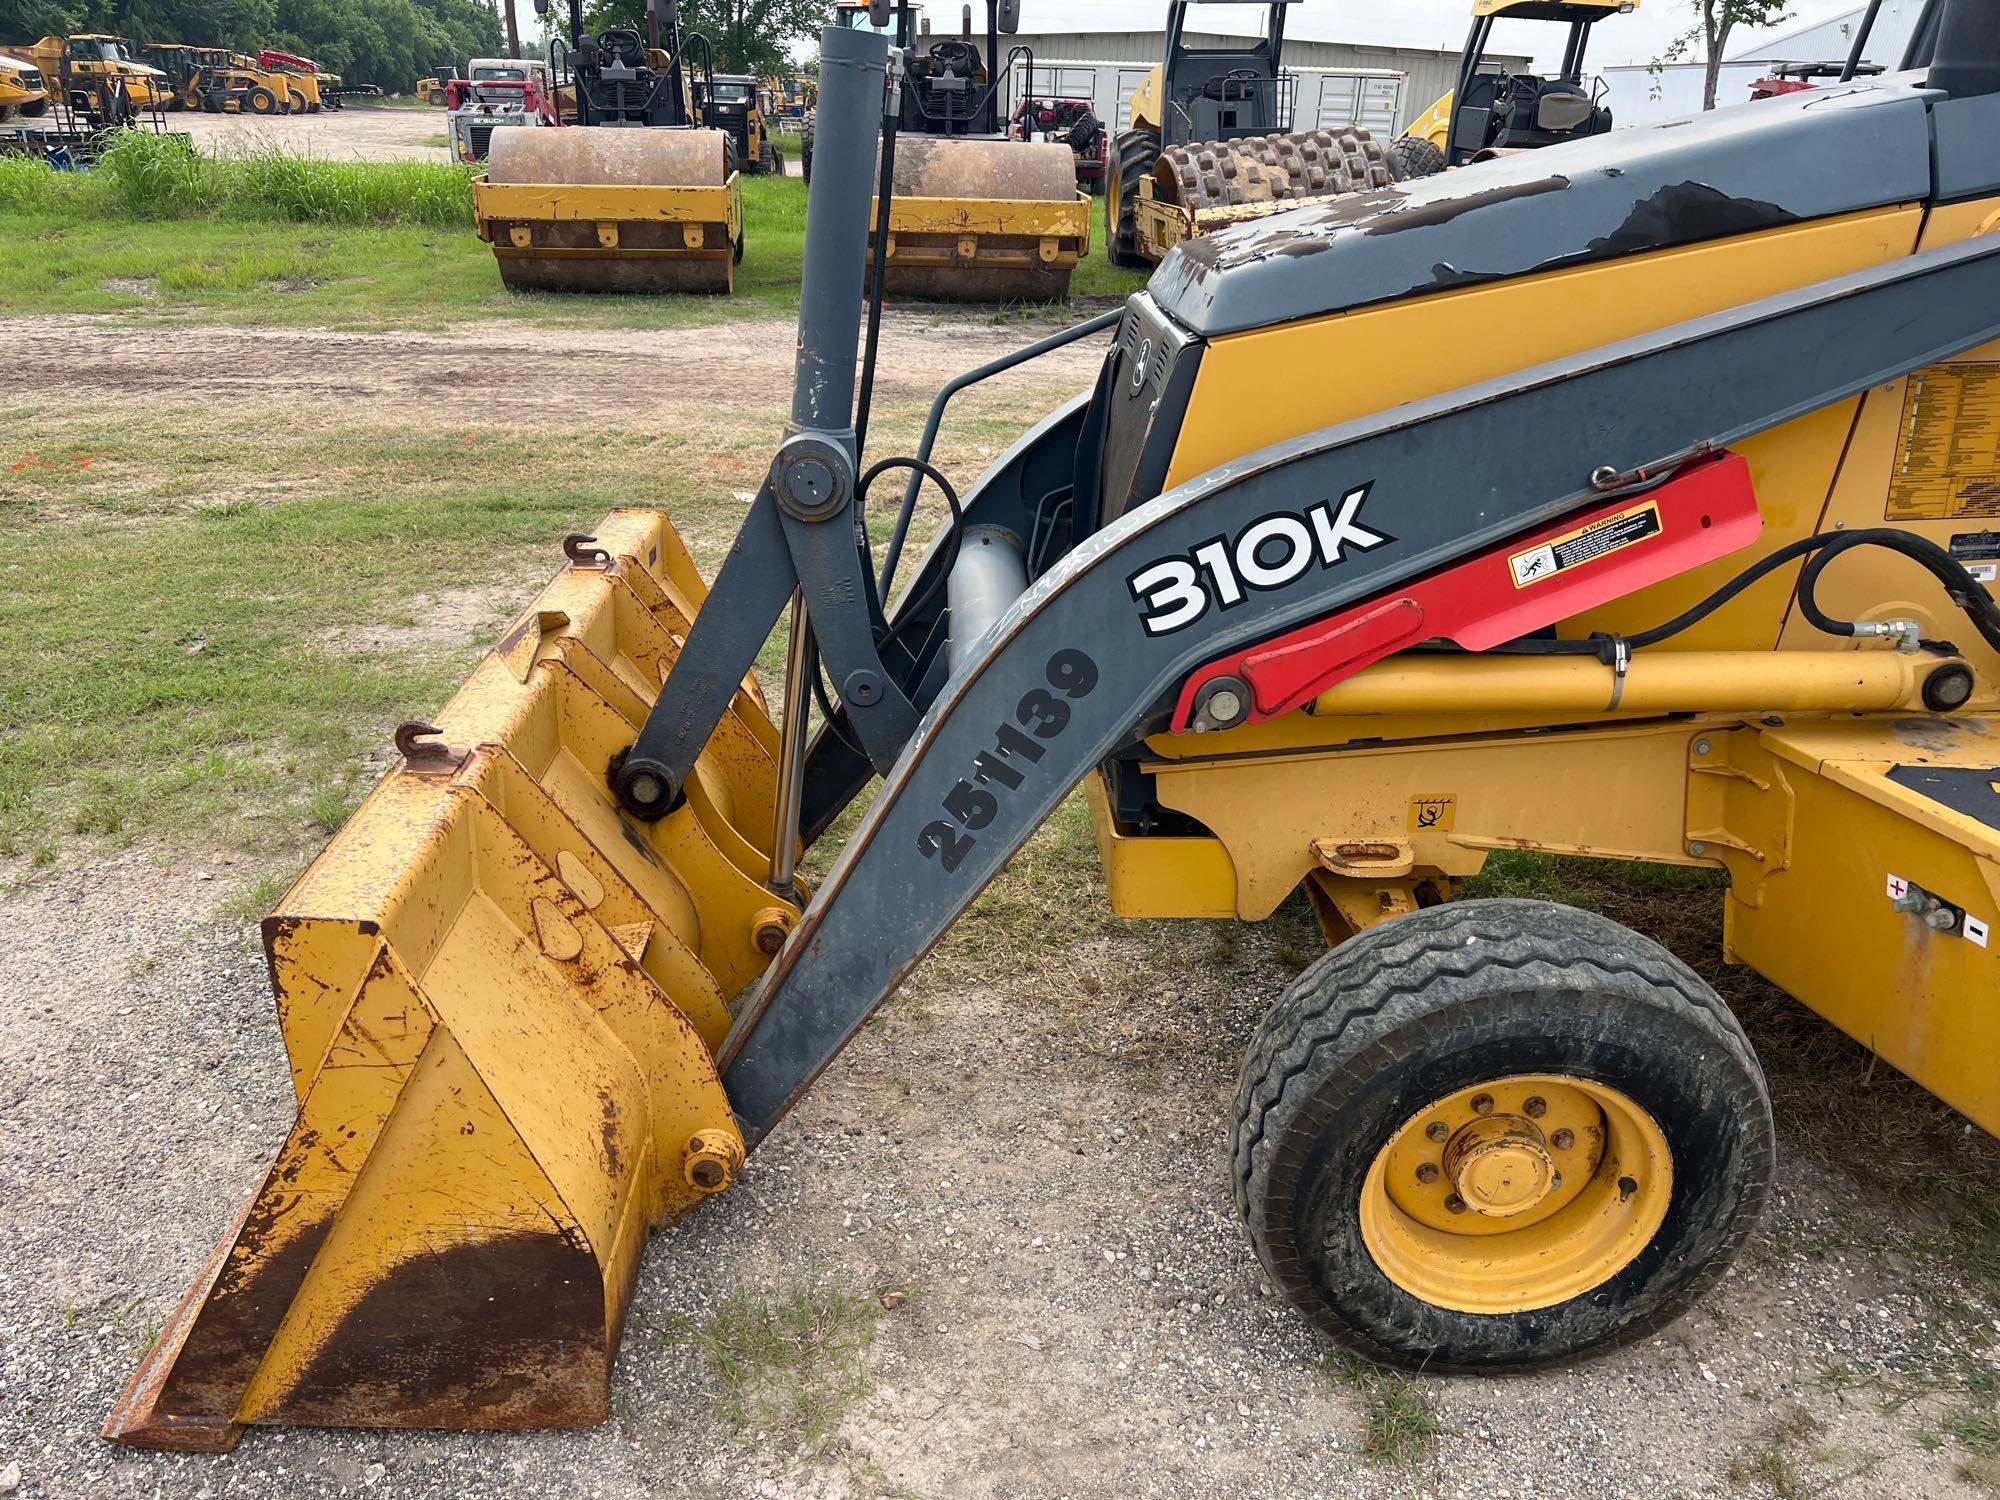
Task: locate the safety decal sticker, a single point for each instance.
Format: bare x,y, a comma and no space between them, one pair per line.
1433,812
1585,544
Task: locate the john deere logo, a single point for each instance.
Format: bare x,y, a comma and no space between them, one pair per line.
1142,363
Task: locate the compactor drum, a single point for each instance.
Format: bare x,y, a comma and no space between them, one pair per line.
973,215
634,197
1211,144
1689,568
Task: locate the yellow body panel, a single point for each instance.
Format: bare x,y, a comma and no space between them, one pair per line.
500,998
1434,124
14,94
614,203
1147,112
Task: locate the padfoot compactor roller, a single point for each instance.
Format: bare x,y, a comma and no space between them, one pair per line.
1692,567
632,194
1211,144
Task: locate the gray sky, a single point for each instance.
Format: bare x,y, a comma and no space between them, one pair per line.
1429,23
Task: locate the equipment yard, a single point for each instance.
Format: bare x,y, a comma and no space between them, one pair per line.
1025,1154
697,809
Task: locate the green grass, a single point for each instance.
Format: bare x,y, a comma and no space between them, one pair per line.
1400,1425
218,625
274,238
786,1368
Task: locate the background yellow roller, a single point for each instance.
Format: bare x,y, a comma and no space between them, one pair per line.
985,220
603,209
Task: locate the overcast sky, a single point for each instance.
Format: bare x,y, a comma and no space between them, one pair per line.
1425,23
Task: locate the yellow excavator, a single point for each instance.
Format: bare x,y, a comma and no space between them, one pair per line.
632,192
96,77
1211,144
1692,566
1492,108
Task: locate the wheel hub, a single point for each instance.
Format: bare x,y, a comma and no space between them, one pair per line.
1517,1193
1500,1166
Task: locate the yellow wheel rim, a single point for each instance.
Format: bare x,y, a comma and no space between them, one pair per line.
1517,1193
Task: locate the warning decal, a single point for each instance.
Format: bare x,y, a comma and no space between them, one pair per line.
1586,544
1948,447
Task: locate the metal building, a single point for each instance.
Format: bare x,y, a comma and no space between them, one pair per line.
1427,72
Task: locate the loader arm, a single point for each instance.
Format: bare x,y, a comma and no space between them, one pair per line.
1090,657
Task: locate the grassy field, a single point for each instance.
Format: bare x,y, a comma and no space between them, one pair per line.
281,240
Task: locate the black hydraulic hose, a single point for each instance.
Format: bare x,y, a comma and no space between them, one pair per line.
923,470
877,275
1960,587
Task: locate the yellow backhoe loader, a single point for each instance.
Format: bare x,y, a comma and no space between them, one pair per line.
631,192
1493,108
1211,143
1692,566
971,215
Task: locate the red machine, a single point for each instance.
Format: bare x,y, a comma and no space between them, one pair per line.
1792,78
268,61
1070,121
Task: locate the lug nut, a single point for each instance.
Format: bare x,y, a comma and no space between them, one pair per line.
1428,1172
1437,1130
1534,1107
1482,1104
1562,1140
1454,1204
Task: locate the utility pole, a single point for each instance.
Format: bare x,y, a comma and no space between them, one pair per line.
513,29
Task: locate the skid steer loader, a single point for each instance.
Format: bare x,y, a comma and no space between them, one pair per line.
1211,143
1690,567
971,216
637,197
1492,108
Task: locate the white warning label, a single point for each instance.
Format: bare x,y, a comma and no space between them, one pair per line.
1586,544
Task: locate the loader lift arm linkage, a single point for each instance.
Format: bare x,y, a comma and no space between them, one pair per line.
1073,666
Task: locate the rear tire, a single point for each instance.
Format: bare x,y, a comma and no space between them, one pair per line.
1414,156
806,151
7,113
1132,157
261,101
1344,1113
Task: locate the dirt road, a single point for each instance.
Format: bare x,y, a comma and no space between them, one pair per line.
1026,1157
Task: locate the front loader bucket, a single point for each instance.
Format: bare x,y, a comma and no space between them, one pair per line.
499,997
984,221
603,209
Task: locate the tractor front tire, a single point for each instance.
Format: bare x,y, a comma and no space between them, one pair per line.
1413,156
1495,1133
1132,157
7,112
261,101
806,150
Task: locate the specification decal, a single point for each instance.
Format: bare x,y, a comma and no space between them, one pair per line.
1948,446
974,801
1585,544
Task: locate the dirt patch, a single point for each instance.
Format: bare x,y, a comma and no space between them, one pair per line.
450,620
516,373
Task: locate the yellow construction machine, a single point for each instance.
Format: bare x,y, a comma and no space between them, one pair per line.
22,90
1211,144
1690,566
97,77
1493,109
971,216
631,192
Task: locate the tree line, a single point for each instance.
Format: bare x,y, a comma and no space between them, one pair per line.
388,42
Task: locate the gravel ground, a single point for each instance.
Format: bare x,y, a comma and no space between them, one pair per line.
1084,1317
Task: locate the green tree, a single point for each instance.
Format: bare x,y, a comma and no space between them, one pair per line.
749,36
1714,21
